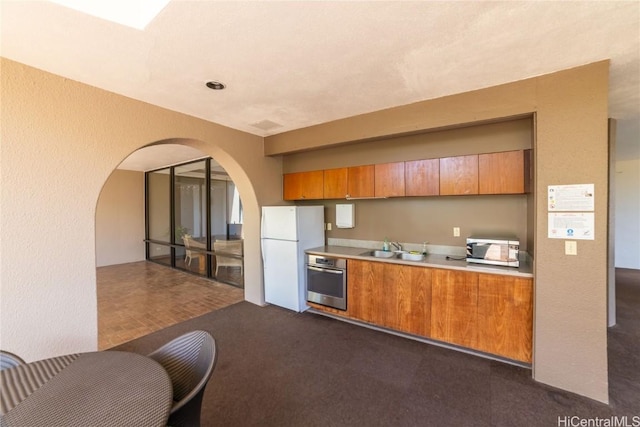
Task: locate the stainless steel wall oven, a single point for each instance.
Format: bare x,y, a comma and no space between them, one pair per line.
327,281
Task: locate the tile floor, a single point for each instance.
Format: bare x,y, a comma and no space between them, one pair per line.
139,298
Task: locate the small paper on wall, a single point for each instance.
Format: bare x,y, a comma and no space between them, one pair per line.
576,197
571,225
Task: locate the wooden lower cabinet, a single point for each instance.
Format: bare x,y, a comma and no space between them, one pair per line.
454,307
412,312
390,295
365,290
505,316
486,312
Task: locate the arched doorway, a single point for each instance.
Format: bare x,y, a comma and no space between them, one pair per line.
203,206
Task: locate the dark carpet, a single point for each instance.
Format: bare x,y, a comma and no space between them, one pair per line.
279,368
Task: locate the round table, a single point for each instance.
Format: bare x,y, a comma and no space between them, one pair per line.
107,388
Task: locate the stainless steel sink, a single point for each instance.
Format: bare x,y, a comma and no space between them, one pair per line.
379,254
411,257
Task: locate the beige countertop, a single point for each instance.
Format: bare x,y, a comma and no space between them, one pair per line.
431,260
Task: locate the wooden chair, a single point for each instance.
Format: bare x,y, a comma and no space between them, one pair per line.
189,244
188,255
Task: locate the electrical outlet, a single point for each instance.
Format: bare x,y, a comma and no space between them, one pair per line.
456,231
570,248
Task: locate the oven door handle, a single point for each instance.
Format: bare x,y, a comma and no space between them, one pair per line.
325,270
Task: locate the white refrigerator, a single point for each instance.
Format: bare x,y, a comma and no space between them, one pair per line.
287,231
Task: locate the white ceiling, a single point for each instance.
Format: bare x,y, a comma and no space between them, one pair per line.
289,65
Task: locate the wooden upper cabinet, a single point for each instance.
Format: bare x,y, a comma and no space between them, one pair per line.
389,180
503,173
506,172
336,183
303,185
360,181
459,175
454,307
422,177
505,316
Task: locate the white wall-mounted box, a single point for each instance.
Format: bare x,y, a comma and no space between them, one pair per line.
345,216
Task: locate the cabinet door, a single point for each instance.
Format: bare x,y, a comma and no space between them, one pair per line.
335,183
502,173
303,185
413,290
459,175
360,181
388,300
454,307
422,177
389,180
390,295
505,316
292,186
363,290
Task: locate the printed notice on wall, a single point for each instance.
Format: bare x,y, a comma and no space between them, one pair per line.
572,198
571,225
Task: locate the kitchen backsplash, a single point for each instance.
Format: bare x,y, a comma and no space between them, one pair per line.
407,246
457,251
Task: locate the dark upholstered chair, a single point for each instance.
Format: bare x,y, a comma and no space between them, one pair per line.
9,360
189,360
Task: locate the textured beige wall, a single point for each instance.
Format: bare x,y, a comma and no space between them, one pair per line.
120,219
486,138
571,291
627,177
431,219
60,142
504,101
570,335
418,219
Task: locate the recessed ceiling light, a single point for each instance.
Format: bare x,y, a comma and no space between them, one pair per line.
215,85
133,13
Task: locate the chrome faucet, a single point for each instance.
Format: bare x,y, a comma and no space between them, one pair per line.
397,245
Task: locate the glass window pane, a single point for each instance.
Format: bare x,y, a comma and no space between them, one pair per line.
159,206
160,253
218,209
235,209
186,236
190,202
